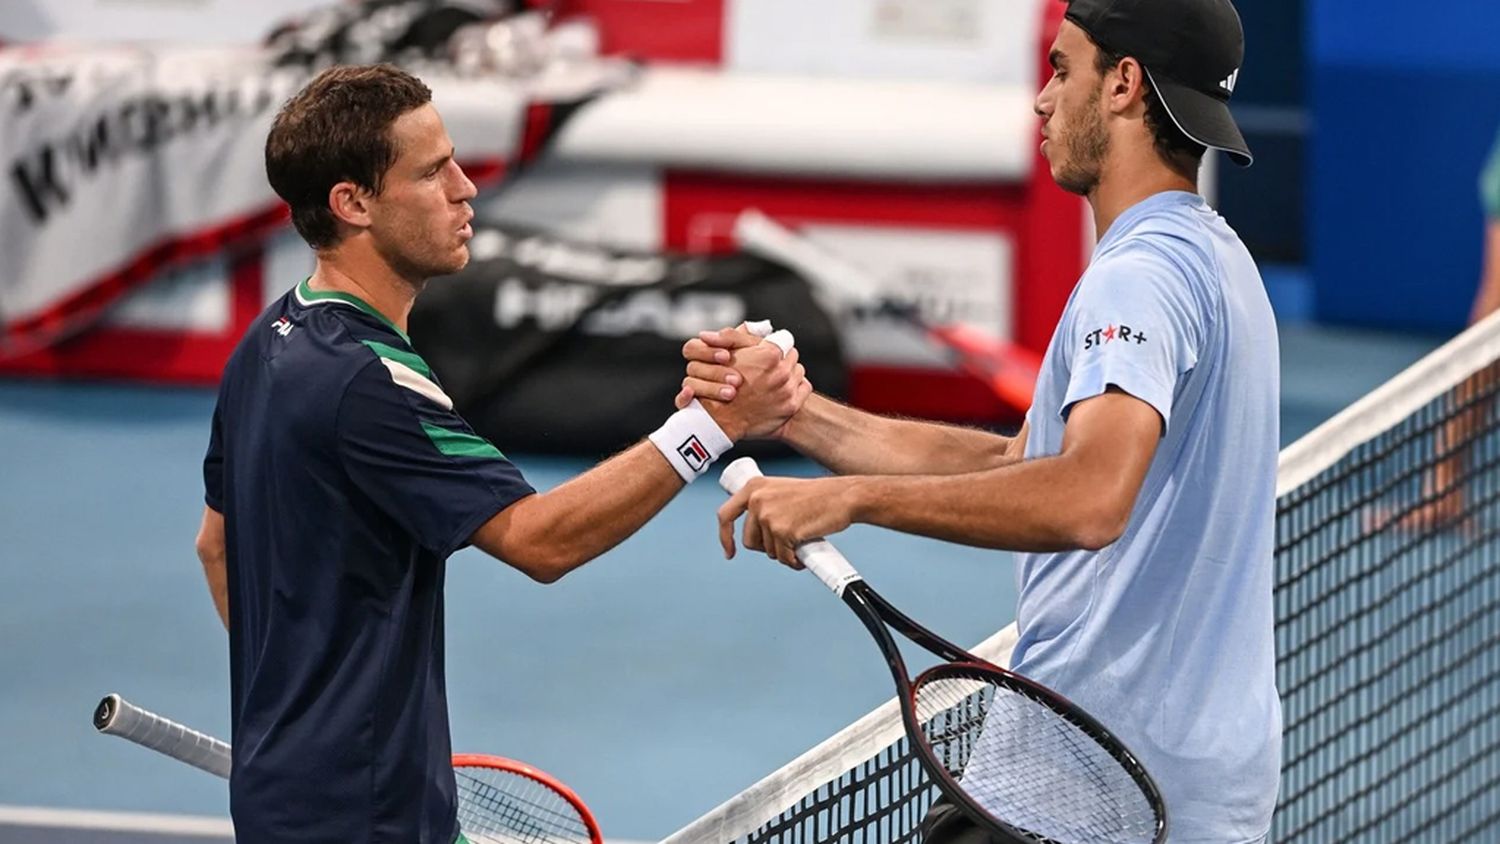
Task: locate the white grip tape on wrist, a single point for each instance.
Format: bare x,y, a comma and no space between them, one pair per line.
691,441
819,555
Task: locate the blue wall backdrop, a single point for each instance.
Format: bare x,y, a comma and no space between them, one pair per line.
1406,103
1265,203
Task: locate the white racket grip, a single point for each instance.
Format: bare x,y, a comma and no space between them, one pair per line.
737,474
116,716
819,555
825,561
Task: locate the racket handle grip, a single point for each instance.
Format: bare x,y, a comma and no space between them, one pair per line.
737,474
819,555
116,716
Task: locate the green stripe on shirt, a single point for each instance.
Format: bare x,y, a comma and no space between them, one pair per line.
402,356
309,296
460,443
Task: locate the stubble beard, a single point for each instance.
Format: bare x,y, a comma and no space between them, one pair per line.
417,261
1086,148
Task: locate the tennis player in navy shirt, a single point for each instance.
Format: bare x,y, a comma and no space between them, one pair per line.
339,478
1141,489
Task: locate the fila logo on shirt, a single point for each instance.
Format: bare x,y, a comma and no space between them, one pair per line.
1103,336
1229,83
282,326
694,453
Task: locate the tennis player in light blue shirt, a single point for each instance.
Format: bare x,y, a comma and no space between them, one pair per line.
1166,634
1141,489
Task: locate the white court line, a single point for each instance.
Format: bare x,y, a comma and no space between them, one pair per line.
114,821
35,816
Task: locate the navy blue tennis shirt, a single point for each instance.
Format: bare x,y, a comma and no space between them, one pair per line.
346,480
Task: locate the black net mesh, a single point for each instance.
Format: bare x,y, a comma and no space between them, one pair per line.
1388,613
881,800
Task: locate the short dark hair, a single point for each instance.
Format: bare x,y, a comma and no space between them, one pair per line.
337,129
1183,154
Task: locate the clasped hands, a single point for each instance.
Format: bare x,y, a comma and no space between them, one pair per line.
727,371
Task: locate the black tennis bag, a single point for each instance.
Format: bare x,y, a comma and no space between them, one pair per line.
550,345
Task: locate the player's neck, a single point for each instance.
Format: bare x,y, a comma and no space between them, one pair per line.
1128,180
365,275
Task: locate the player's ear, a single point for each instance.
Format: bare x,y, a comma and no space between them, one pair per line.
350,204
1125,85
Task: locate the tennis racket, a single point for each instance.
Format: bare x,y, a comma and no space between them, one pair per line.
1009,370
500,801
1021,761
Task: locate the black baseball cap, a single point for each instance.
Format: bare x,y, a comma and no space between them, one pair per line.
1192,51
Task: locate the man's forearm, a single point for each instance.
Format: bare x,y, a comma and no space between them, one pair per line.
853,442
550,534
211,546
218,586
1487,300
1080,498
1035,505
546,536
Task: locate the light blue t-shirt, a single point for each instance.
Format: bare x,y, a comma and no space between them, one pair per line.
1166,635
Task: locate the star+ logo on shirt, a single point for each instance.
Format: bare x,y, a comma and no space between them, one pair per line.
1102,336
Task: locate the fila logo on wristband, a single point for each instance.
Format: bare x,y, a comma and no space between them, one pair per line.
694,453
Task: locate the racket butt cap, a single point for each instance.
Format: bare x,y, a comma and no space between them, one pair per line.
104,713
737,474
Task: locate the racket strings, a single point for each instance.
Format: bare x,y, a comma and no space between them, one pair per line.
501,807
1030,766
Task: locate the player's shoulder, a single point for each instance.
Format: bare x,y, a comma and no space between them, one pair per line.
320,346
391,364
386,372
1184,234
1148,271
1144,261
1172,245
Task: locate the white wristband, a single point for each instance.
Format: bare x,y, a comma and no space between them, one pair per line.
691,441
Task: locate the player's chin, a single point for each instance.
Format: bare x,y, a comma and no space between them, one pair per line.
455,260
1059,176
1072,180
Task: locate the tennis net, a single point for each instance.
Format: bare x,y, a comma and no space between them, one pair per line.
1388,621
1388,609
